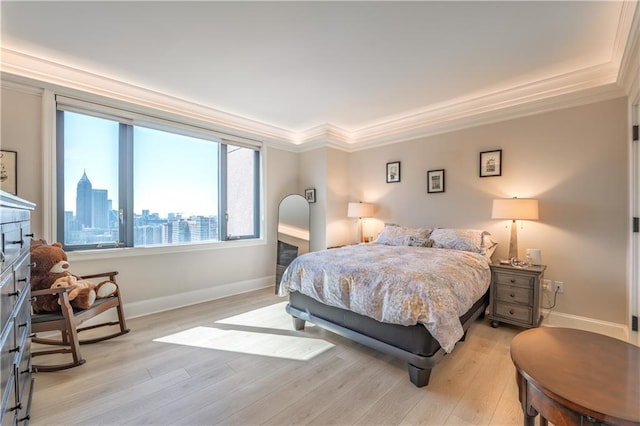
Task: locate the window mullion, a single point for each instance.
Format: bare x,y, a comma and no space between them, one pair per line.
256,195
223,211
60,225
125,182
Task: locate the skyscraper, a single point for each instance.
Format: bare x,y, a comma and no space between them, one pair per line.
84,202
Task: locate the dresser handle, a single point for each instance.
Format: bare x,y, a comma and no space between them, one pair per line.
16,349
2,258
24,324
22,280
15,293
17,407
21,242
29,235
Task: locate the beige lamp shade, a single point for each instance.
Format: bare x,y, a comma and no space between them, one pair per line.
515,209
360,210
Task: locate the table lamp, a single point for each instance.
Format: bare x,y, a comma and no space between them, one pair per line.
515,209
360,210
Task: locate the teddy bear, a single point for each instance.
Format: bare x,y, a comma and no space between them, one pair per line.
50,270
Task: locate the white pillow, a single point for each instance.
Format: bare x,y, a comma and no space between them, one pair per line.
394,235
473,240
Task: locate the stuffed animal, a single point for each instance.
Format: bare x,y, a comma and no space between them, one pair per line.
50,270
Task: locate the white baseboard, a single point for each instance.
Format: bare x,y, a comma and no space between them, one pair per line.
167,303
174,301
560,319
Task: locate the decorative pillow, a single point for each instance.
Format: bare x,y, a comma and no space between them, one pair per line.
489,244
472,240
418,242
394,235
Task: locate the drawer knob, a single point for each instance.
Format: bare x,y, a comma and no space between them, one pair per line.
511,311
513,280
16,349
15,293
512,295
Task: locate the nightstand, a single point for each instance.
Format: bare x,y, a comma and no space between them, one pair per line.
515,295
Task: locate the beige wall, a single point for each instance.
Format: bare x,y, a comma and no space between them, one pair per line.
573,160
313,174
22,132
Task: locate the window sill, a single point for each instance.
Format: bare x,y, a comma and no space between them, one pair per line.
115,253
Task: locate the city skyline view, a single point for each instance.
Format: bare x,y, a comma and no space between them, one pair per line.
95,221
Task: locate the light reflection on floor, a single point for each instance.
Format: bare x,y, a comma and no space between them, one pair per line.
265,331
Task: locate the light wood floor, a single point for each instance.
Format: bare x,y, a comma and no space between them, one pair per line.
135,380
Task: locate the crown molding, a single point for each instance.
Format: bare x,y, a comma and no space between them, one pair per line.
584,86
629,69
27,69
578,88
24,88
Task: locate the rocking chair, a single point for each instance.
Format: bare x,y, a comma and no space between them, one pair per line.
68,321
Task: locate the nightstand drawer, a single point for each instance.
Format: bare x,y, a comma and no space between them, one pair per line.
514,279
513,312
510,293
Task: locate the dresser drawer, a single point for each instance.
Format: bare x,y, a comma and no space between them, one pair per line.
24,372
7,344
509,293
11,243
513,312
22,274
514,279
7,296
9,402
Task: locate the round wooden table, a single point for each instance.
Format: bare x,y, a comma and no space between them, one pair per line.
574,377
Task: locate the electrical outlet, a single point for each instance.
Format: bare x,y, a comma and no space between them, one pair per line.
559,286
546,285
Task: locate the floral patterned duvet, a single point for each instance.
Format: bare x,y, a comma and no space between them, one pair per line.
395,284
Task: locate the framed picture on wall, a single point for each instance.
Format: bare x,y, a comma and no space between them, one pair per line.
491,163
9,172
310,195
435,181
393,172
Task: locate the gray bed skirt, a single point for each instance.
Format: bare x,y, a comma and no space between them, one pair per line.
413,344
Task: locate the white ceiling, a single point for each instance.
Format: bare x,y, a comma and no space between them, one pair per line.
349,65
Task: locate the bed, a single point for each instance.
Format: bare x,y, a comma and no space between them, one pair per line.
413,293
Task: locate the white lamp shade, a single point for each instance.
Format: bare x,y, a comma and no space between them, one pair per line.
360,210
515,209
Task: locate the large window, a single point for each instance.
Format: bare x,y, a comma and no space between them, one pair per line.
127,184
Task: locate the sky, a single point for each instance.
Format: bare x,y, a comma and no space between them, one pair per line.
167,179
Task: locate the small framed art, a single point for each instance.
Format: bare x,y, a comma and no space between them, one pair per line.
9,172
393,172
310,195
491,163
435,181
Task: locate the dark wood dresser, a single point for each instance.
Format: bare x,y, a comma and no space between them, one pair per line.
16,383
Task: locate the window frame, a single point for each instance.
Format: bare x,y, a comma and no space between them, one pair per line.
127,118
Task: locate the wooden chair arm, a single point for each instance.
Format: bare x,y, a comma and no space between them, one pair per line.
50,291
100,275
63,297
